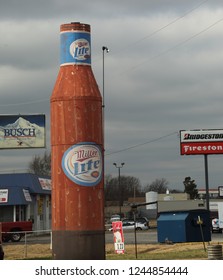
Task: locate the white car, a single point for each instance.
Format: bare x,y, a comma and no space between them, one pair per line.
215,225
128,224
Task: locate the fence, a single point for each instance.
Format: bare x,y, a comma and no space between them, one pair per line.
33,244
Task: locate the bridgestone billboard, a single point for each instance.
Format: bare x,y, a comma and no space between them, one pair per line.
200,142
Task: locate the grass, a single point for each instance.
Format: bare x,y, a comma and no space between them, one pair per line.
160,252
177,251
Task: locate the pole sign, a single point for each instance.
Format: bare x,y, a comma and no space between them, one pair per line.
220,214
4,195
220,191
118,237
201,142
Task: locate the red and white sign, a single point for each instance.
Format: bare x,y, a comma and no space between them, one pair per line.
220,214
45,184
200,142
118,237
3,195
220,191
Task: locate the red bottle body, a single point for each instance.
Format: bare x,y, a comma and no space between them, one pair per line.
77,152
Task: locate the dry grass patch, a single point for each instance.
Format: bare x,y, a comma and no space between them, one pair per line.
144,251
176,251
20,251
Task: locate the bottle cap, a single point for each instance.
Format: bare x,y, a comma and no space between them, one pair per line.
75,26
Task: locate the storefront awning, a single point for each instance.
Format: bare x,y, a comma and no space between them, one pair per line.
14,195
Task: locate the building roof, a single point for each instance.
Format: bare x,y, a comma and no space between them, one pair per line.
14,196
32,182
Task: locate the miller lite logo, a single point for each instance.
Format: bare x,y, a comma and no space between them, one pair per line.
82,164
80,49
75,48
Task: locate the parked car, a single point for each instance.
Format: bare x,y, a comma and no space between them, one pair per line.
215,225
126,225
14,231
115,218
129,224
142,220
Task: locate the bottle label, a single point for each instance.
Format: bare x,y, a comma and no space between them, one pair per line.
82,164
75,48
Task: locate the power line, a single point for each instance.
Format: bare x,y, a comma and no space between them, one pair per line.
142,39
141,144
168,24
174,47
25,103
136,42
161,28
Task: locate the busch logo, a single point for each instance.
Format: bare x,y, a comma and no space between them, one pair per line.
82,163
80,49
19,132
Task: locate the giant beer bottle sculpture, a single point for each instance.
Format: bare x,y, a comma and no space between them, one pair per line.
77,152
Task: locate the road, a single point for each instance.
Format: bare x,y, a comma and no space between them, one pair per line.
142,237
149,237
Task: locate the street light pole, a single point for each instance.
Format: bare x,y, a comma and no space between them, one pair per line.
119,185
103,93
103,104
103,74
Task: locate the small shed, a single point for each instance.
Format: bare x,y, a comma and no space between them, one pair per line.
184,226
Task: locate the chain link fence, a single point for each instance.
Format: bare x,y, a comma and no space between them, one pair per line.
32,245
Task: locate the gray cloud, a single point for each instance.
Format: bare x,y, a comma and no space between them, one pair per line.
163,73
29,9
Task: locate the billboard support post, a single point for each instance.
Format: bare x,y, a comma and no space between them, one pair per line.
202,142
206,181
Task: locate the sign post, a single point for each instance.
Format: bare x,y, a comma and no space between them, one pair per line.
220,214
0,233
202,142
206,181
118,237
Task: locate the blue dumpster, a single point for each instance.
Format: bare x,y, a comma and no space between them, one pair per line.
184,226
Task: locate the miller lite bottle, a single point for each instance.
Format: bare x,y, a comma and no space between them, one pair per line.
77,151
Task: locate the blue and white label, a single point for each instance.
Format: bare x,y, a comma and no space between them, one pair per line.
82,164
75,48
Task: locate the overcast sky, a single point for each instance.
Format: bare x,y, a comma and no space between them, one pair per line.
163,74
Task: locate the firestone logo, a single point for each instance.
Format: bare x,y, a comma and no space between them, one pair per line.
82,164
80,49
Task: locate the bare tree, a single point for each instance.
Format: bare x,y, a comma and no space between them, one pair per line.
41,165
159,186
129,187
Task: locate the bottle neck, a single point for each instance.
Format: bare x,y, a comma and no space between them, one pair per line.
75,48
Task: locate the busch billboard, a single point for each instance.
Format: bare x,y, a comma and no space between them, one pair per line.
22,131
200,142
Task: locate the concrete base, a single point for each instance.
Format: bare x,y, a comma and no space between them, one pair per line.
78,245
